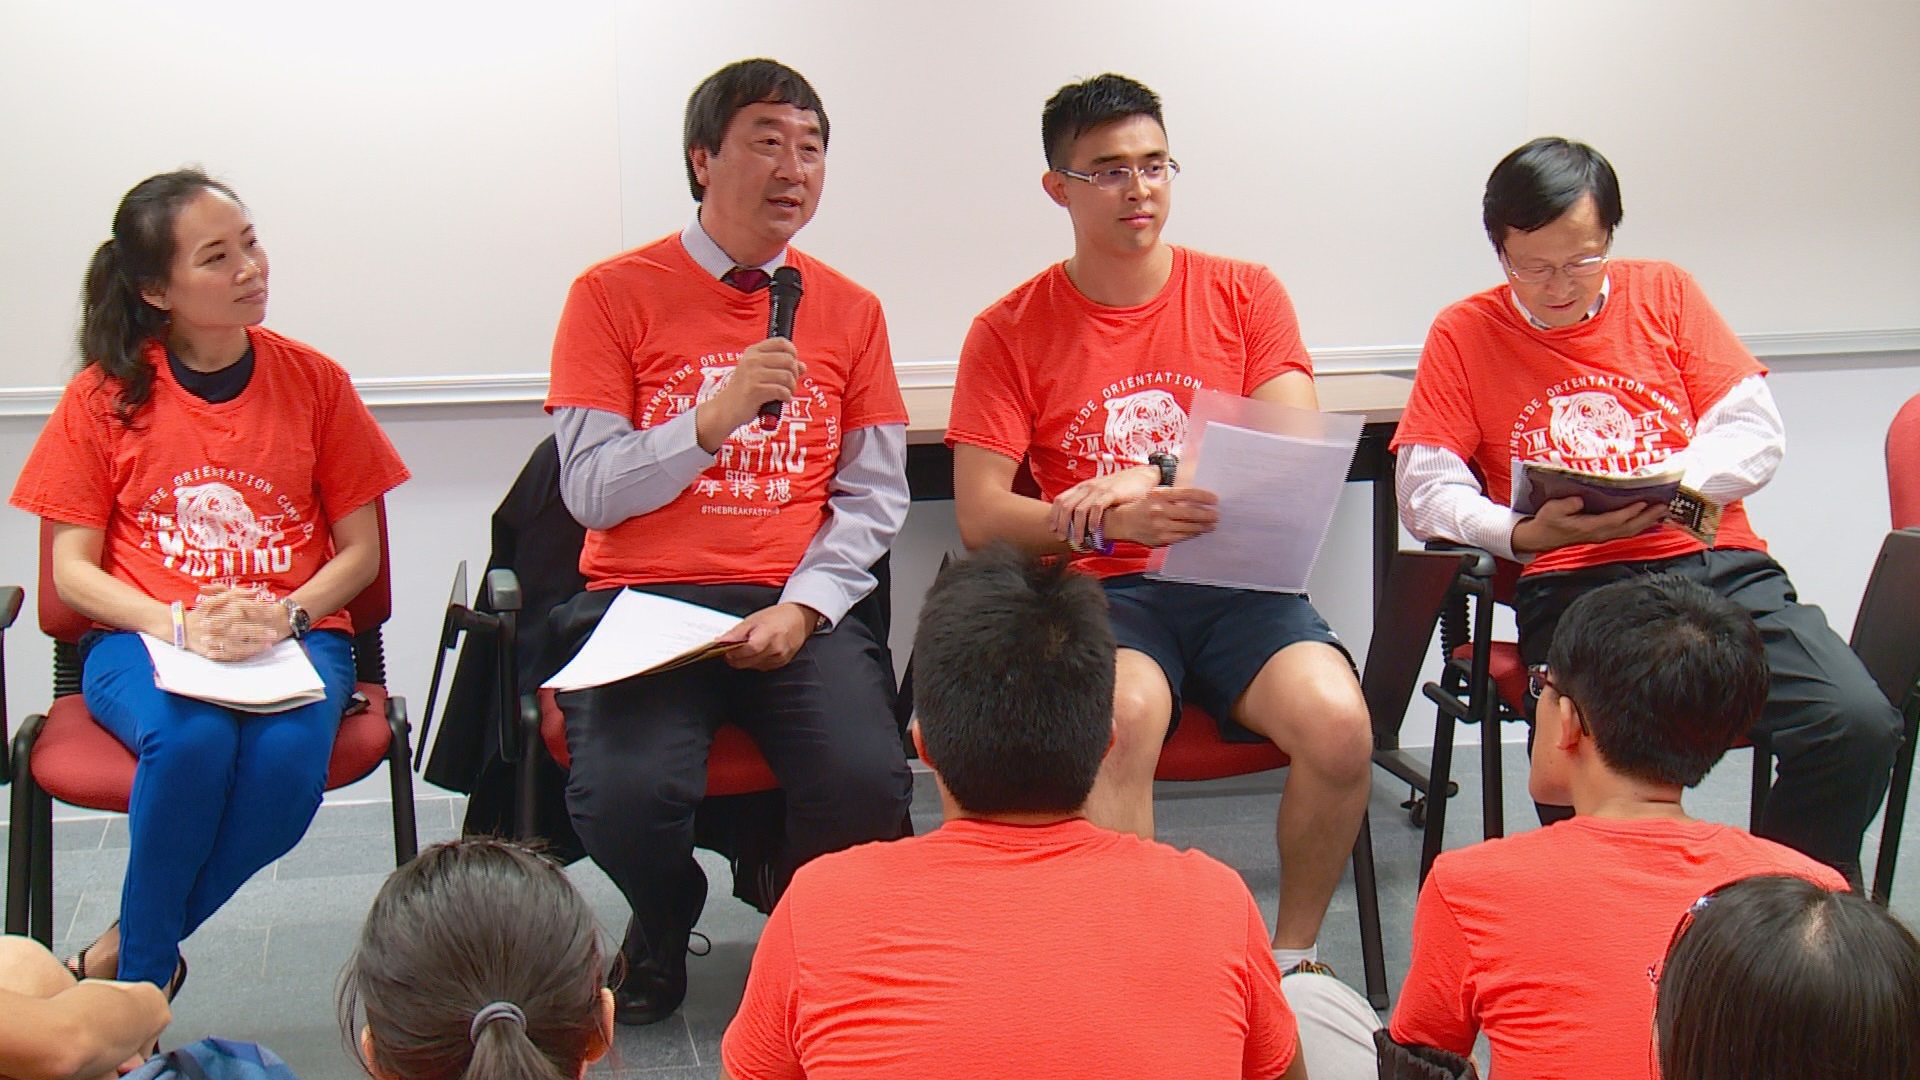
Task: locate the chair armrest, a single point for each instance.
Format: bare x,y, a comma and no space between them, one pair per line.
1479,562
501,590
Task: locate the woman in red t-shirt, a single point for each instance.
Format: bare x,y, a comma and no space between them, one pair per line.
210,484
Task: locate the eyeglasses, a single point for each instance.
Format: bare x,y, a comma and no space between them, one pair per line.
1537,680
1680,929
1120,177
1540,275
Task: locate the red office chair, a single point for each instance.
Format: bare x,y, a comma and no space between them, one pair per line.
64,755
1903,465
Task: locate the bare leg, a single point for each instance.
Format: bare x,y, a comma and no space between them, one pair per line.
1307,701
1122,797
29,970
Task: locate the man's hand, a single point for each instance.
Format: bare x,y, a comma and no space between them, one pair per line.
766,372
769,637
1562,523
1081,507
1164,516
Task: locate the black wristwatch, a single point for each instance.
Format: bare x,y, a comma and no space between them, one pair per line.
1168,465
298,620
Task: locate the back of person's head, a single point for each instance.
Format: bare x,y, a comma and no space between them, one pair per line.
478,960
1536,184
1078,108
1013,682
1778,979
732,88
1664,672
115,319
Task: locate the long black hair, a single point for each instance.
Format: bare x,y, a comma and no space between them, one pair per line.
116,322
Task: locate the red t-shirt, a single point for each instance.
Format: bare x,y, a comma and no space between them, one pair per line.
1615,393
1545,940
1007,950
1080,390
243,492
648,335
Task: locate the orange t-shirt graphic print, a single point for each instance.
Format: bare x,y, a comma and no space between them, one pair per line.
1620,392
649,335
238,493
1079,390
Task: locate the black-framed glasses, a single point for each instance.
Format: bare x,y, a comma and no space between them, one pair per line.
1538,679
1120,177
1540,275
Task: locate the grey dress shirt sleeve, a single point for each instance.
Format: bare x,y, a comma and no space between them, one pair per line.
609,472
867,503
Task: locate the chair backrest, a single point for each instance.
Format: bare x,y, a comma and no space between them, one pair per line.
1903,465
1409,606
369,610
1886,632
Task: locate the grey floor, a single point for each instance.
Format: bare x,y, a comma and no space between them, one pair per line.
264,968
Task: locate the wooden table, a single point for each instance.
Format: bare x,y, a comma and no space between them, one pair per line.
1379,398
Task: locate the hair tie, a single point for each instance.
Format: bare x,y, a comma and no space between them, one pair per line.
496,1010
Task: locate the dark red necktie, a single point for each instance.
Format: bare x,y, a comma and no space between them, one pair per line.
747,279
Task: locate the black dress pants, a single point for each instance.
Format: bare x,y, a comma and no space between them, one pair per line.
1831,729
824,722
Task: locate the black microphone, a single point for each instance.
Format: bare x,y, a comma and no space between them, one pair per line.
784,303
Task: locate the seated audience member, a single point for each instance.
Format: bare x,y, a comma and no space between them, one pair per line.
1616,366
478,960
661,367
212,484
1085,374
1018,939
1832,979
1544,940
53,1026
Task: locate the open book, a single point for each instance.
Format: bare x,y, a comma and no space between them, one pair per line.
642,634
1537,483
275,680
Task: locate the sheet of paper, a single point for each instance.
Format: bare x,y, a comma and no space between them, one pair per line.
642,633
276,680
1277,494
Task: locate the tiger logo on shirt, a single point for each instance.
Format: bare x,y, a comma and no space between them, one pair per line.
1590,424
1145,423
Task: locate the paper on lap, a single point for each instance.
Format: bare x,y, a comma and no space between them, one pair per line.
642,634
275,680
1278,472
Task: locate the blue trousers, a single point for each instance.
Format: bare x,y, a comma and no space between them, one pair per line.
217,794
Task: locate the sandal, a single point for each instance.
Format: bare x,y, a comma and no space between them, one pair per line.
77,963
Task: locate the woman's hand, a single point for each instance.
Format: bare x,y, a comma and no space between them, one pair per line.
228,623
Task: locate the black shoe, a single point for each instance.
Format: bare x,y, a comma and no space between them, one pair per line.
655,981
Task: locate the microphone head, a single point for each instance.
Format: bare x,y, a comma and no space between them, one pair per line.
787,279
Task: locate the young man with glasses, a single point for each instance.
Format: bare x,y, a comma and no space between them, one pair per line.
1544,940
1621,366
1083,375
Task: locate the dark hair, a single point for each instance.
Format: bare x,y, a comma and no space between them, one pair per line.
1779,979
1013,682
1665,672
1544,179
116,322
466,924
732,88
1078,108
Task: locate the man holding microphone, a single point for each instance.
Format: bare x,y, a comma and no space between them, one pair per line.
691,488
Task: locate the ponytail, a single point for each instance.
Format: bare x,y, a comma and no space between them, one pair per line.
116,322
502,1050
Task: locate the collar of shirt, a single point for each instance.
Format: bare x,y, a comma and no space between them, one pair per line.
708,254
1606,284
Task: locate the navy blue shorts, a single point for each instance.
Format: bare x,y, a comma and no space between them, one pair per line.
1210,642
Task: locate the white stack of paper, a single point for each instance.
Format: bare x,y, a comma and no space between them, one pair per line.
275,680
641,634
